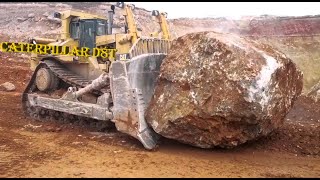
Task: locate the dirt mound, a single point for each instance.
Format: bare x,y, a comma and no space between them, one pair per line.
300,133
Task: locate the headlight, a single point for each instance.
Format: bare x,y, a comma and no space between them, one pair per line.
165,15
120,4
155,13
132,6
33,41
57,15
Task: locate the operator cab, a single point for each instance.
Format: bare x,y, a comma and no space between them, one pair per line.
85,30
99,27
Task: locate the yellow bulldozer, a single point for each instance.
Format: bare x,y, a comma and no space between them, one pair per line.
115,88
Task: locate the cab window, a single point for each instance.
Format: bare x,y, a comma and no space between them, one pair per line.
101,28
75,30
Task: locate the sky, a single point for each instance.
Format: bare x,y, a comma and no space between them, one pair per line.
231,9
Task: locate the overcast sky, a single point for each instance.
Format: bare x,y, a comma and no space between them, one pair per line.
231,9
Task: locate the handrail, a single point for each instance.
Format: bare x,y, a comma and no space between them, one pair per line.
146,45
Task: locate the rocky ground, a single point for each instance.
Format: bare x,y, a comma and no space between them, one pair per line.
29,148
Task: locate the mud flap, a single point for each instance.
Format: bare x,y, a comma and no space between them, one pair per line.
132,86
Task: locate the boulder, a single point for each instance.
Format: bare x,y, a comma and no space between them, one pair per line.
7,86
222,90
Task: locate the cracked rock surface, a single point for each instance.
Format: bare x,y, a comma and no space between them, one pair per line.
222,90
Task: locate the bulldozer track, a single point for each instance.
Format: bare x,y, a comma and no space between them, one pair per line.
42,114
67,76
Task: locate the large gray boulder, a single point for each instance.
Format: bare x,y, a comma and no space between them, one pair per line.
222,90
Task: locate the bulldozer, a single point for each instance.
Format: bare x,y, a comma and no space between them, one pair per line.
116,88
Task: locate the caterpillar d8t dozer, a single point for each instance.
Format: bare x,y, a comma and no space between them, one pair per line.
112,88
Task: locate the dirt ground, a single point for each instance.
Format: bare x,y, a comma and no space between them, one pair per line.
29,148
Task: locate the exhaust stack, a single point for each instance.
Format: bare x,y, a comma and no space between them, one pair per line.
110,19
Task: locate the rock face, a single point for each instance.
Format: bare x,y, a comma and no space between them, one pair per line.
7,86
222,90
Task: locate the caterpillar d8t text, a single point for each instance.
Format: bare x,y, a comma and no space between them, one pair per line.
114,88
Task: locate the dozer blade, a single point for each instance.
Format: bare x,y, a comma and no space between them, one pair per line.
132,86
